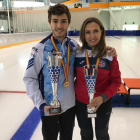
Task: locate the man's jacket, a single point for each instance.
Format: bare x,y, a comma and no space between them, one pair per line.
37,78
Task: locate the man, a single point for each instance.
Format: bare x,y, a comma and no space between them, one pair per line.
37,78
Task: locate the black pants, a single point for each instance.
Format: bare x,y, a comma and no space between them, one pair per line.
101,121
62,123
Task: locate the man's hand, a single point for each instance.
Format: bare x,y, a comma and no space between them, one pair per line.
112,51
46,110
95,102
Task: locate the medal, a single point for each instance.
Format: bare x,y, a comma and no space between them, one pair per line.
66,70
66,84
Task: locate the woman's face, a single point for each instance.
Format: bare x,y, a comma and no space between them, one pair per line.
92,34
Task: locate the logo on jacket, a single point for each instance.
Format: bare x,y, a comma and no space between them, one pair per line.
53,51
81,62
102,64
34,51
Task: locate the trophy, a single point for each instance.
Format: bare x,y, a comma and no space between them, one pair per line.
54,63
90,78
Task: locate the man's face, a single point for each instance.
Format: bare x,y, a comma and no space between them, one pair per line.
59,25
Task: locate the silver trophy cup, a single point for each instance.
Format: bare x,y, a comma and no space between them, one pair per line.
90,78
54,63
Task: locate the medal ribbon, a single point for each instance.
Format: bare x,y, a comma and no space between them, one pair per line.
66,70
87,60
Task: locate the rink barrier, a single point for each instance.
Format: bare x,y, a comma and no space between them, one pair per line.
112,33
14,39
16,44
122,33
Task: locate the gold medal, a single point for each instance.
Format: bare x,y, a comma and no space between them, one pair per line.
66,84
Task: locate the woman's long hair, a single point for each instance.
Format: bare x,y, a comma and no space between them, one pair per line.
100,48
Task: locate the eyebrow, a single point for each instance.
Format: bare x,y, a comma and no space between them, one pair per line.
61,19
89,29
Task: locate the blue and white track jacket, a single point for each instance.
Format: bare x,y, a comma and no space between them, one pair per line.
37,78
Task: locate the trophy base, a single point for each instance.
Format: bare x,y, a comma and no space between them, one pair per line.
55,110
91,115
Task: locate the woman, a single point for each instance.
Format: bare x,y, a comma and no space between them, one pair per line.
108,80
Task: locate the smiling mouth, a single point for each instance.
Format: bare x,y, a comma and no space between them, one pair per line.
59,31
92,40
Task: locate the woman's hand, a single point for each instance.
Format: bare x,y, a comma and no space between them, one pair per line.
95,102
112,51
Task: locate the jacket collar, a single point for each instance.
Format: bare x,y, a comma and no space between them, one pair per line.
87,47
57,41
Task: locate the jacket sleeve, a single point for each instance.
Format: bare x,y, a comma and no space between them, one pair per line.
30,79
115,78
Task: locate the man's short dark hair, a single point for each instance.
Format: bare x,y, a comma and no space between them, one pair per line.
58,9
